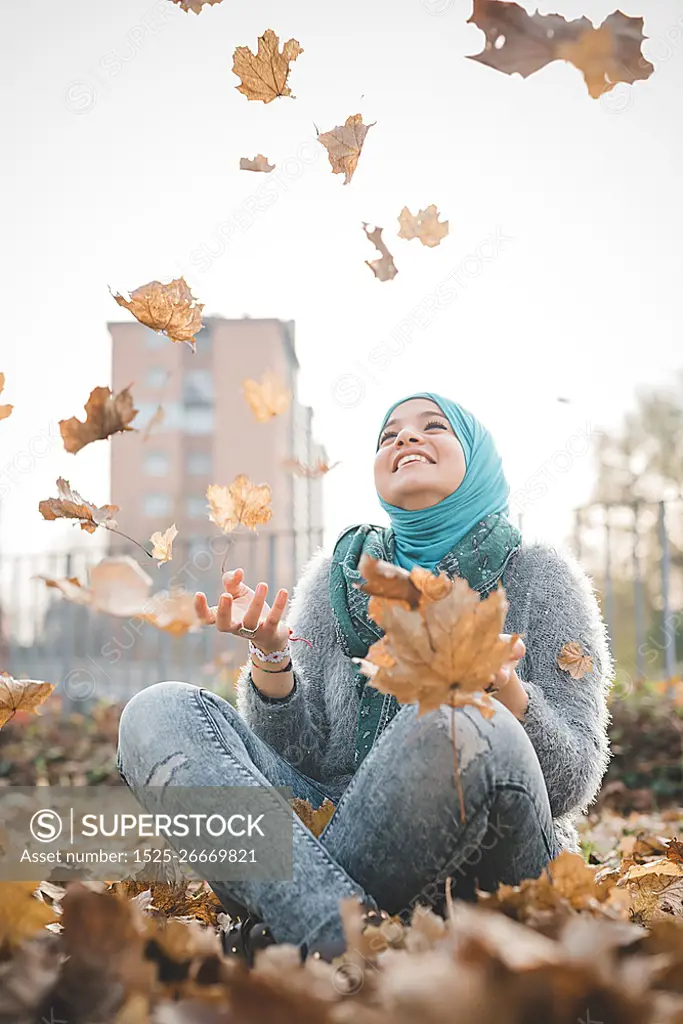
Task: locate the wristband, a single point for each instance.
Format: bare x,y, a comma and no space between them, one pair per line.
274,656
274,671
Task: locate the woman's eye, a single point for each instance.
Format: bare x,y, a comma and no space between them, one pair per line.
436,423
386,437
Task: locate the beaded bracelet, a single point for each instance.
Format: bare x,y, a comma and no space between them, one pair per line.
274,656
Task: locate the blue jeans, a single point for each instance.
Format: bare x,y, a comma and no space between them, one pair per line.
396,833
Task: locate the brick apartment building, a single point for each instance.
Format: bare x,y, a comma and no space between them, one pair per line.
209,435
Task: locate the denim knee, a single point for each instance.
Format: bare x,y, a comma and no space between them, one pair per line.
151,712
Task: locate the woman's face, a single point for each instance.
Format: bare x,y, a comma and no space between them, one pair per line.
418,428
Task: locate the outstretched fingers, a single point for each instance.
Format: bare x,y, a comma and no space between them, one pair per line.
203,611
272,620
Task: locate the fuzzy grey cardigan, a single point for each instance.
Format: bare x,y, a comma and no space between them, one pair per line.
551,601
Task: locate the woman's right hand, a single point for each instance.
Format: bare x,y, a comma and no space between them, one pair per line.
240,606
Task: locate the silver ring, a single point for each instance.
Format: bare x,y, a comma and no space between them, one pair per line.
251,633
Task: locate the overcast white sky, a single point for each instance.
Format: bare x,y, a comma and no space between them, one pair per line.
122,133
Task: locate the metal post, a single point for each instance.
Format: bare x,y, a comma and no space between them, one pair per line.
609,591
638,593
669,641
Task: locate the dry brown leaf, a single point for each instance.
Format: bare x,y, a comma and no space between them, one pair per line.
424,225
344,144
21,695
572,659
523,43
70,505
5,410
195,5
269,398
117,586
656,889
444,652
240,502
106,414
310,472
384,268
21,913
414,588
264,74
169,309
156,420
173,612
259,163
163,544
71,587
314,818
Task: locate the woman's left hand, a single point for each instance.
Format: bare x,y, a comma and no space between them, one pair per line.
506,685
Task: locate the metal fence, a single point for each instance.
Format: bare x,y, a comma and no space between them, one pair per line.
91,656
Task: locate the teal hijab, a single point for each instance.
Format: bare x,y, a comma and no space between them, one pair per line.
466,534
423,536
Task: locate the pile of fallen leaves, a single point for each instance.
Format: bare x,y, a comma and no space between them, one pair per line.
581,943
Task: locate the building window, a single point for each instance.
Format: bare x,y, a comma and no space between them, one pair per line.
198,387
198,419
197,506
156,377
199,463
154,340
157,505
156,464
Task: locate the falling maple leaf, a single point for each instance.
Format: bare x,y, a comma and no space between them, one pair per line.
156,420
414,588
383,268
268,399
195,5
168,309
310,472
240,502
22,914
259,163
425,225
5,410
344,144
264,74
524,43
70,505
445,651
572,659
21,695
314,819
106,414
163,544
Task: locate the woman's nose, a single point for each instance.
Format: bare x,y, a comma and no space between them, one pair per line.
407,436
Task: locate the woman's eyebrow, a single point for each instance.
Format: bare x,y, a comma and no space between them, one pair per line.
426,412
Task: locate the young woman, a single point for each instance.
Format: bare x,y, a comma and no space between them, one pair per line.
308,719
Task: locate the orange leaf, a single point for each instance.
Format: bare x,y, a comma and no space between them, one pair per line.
264,74
21,913
106,414
240,502
573,660
21,695
70,505
314,819
425,225
259,163
163,544
311,472
344,145
5,410
384,268
169,309
195,5
267,399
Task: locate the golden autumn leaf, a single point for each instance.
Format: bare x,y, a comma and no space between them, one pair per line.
264,74
155,421
384,268
117,586
5,410
70,505
259,163
21,695
656,889
71,588
195,5
106,414
21,913
424,225
443,652
268,399
299,468
414,588
163,544
344,144
169,309
523,43
240,502
572,659
316,818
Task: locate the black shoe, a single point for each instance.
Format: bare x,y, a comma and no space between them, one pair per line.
329,951
245,937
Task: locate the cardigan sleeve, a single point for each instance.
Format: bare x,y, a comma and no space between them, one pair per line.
297,726
566,719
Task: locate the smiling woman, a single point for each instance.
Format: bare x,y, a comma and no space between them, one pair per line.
307,718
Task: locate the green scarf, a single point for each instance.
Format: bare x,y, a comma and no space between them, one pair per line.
481,557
